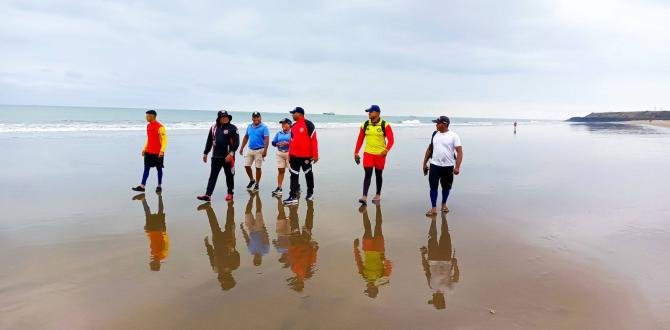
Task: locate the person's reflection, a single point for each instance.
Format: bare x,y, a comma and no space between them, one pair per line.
256,235
159,242
373,265
302,248
439,262
223,255
283,231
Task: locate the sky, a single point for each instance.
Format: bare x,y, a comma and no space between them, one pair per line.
477,58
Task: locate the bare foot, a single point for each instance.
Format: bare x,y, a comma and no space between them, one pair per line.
377,198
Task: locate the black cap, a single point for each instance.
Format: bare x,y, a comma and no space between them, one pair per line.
298,110
286,120
255,114
442,120
223,113
152,112
373,108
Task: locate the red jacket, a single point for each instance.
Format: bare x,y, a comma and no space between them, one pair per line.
303,140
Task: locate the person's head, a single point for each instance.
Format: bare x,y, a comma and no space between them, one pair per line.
285,124
222,117
442,123
155,265
371,290
373,112
256,118
438,301
258,260
298,113
151,115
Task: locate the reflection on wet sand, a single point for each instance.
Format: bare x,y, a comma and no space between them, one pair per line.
302,249
283,231
255,235
159,241
223,256
439,262
373,265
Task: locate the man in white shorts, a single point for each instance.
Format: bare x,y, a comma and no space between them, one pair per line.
258,137
281,141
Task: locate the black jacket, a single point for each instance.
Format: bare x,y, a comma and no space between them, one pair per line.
224,139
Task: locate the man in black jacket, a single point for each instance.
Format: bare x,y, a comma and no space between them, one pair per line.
223,140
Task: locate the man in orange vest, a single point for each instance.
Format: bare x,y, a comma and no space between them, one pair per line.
153,151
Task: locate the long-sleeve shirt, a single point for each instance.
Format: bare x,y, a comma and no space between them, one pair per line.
303,140
224,139
375,139
156,138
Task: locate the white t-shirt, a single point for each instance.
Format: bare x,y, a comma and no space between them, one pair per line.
444,148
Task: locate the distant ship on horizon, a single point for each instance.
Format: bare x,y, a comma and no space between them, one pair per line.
329,113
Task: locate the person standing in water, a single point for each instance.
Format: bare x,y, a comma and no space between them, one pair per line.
515,127
281,141
445,154
378,137
223,140
303,151
258,137
153,151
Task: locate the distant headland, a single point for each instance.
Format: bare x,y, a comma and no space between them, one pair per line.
622,116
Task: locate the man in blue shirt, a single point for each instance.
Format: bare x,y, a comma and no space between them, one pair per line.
281,141
258,137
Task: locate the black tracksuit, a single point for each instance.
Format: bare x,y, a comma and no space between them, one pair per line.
224,139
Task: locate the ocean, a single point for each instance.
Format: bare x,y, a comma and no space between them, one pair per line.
33,119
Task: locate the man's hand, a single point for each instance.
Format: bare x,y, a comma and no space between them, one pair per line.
265,153
242,151
229,158
142,153
161,154
384,153
315,159
457,170
357,158
425,169
204,158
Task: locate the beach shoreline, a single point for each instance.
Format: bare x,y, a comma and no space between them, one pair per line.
655,123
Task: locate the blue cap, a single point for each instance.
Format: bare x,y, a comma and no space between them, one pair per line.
298,110
373,108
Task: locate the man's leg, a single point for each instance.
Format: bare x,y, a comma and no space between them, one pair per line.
366,181
145,175
379,179
446,180
259,173
433,181
294,168
309,176
248,162
159,170
280,177
214,174
230,177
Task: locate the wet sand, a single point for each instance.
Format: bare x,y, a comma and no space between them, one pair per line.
549,229
657,123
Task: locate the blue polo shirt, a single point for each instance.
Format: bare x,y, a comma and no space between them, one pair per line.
257,136
282,136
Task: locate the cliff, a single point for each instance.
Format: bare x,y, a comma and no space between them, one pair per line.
623,116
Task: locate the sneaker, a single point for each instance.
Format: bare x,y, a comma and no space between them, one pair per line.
251,184
256,188
291,201
277,192
310,196
229,197
205,198
138,188
159,189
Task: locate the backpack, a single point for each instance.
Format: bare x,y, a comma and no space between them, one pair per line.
383,123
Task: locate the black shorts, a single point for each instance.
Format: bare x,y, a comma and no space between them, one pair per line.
441,175
152,160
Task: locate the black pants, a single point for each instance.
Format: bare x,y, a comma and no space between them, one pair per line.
368,180
440,175
217,165
296,163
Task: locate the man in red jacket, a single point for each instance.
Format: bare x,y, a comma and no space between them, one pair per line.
303,151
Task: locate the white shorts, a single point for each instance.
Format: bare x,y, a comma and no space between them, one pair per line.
254,157
282,159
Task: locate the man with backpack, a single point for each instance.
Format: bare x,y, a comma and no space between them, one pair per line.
223,140
376,132
303,151
445,154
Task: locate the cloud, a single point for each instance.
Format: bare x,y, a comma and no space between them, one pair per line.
542,59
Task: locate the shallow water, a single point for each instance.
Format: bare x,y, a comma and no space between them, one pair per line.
559,226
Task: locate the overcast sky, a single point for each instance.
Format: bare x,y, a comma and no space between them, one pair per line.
485,58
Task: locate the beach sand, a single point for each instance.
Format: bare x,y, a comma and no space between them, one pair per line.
550,227
658,123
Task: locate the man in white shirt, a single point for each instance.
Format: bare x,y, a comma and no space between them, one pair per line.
445,155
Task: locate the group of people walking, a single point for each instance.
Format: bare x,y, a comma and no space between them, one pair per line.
297,149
